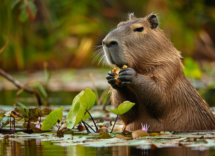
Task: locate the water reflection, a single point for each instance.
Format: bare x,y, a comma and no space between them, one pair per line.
36,147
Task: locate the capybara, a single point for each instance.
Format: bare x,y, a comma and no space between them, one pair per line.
154,80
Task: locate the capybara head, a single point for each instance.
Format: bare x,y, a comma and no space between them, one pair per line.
139,43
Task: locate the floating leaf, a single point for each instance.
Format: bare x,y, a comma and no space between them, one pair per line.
122,108
123,137
16,116
82,102
104,135
45,111
51,119
32,114
139,133
36,130
102,130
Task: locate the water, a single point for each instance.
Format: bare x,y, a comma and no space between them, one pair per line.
36,147
8,97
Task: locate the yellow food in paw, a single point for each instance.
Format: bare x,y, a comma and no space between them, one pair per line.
116,71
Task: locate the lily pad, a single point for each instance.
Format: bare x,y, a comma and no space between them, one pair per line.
139,133
122,108
31,114
51,119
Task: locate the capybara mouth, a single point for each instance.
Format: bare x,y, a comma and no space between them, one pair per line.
120,65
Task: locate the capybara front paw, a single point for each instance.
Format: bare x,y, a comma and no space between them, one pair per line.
127,76
111,80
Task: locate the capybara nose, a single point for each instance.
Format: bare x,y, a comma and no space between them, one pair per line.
110,44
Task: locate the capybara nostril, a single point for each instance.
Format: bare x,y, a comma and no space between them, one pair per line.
110,43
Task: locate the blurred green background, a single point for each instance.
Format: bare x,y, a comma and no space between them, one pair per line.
65,34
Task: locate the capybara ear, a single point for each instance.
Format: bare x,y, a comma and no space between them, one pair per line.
153,20
131,16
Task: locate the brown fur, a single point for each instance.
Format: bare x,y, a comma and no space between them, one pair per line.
164,98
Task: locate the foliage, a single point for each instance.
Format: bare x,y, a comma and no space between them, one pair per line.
32,114
4,121
81,103
52,118
122,108
63,32
192,68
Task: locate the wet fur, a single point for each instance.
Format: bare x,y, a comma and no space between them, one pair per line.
164,98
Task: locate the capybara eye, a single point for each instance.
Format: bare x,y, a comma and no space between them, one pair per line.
139,29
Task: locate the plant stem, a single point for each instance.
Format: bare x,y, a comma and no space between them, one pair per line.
58,129
20,86
14,125
114,123
28,126
10,124
93,121
88,131
89,126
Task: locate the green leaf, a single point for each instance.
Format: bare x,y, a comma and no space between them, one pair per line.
192,68
51,119
24,112
82,102
105,98
74,112
14,3
31,114
21,105
4,120
23,15
86,116
32,7
1,116
42,90
88,99
47,75
122,108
